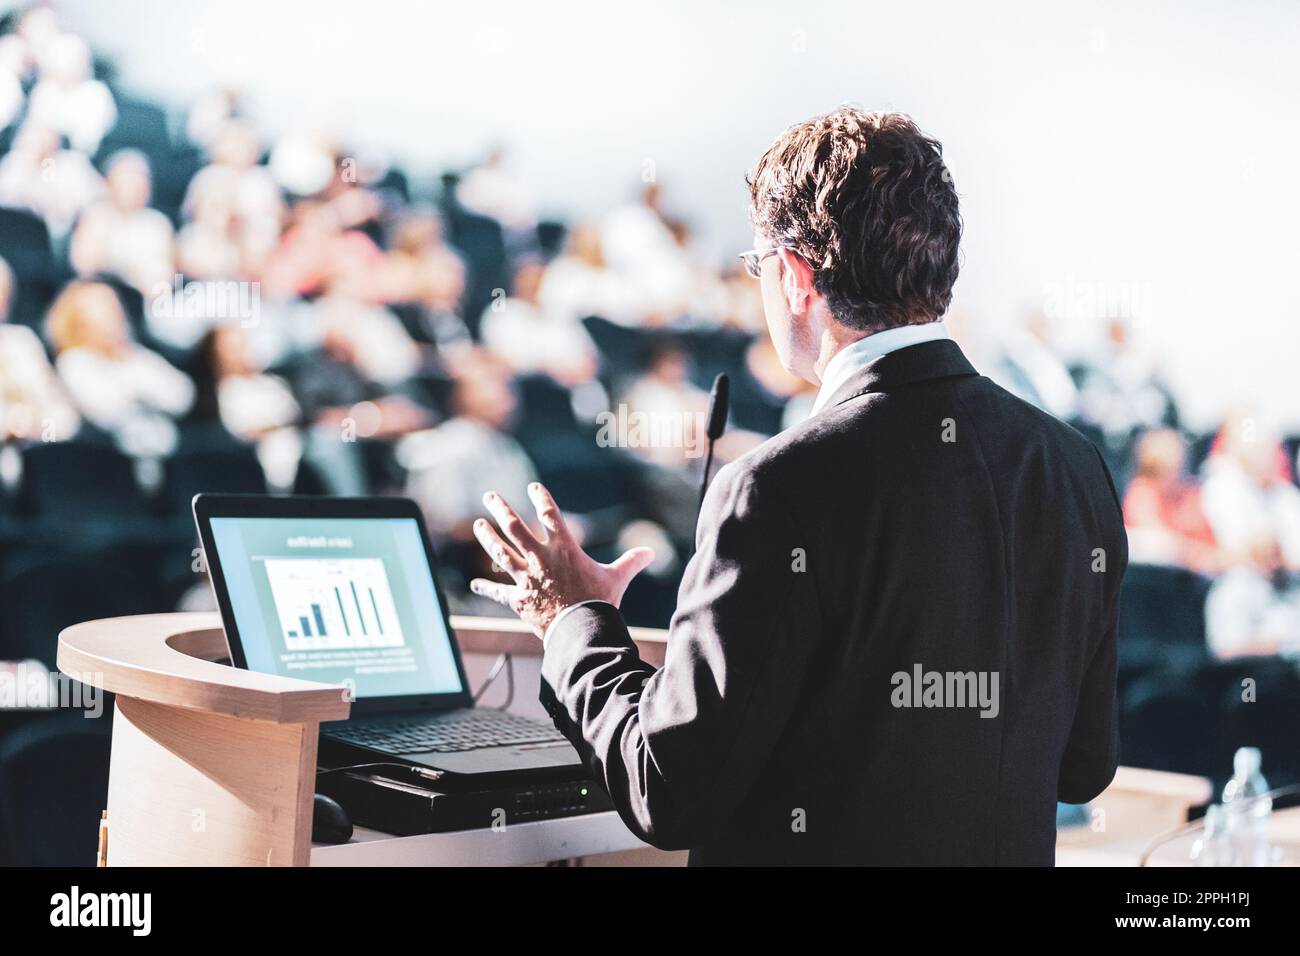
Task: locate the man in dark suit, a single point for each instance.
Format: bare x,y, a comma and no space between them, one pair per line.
896,640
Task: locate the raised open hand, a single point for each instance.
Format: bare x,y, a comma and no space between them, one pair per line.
550,573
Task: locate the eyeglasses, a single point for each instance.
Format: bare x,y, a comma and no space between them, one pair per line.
753,260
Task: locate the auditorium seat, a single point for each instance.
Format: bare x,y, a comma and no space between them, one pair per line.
623,350
140,125
481,242
53,787
25,245
45,588
1269,719
191,471
1161,616
76,480
1163,725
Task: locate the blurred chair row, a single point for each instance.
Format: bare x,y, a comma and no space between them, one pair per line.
77,480
1185,711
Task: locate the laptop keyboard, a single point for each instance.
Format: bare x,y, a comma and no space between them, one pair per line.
448,733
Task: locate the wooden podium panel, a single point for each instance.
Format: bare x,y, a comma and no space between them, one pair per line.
211,765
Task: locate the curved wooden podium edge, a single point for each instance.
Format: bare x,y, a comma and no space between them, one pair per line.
169,659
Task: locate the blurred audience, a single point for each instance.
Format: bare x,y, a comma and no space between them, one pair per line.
67,99
665,412
234,391
33,403
1162,508
422,271
1248,495
490,189
454,464
116,384
120,235
1120,387
55,183
579,283
531,338
1034,370
1254,607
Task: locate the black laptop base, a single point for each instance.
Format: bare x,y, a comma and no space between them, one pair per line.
407,808
333,753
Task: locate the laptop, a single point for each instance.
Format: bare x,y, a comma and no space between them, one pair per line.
342,591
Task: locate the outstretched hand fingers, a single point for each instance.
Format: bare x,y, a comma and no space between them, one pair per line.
548,512
629,564
516,532
503,594
501,554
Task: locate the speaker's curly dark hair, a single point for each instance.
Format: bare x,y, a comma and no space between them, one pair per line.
867,202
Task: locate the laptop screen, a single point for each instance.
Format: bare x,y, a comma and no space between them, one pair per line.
339,600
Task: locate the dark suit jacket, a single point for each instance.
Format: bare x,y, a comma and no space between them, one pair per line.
925,520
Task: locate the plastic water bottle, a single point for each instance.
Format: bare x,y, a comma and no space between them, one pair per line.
1246,810
1212,848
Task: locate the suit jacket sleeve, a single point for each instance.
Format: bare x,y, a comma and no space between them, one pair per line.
1092,753
677,748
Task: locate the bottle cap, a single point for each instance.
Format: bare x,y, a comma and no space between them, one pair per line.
1246,761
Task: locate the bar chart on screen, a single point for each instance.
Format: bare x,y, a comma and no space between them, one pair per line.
333,603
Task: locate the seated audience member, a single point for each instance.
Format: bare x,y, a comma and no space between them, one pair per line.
422,270
490,189
12,97
1248,495
33,404
233,390
120,235
209,114
641,245
531,339
380,347
37,175
68,99
232,206
303,160
1120,388
1032,369
315,248
579,284
453,465
354,192
666,411
116,384
1162,508
705,299
343,401
1254,607
209,245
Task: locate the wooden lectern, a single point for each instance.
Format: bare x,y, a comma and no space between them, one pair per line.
216,766
211,765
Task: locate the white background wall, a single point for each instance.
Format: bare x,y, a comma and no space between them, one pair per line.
1139,149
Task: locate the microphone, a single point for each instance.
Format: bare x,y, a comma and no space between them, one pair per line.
713,431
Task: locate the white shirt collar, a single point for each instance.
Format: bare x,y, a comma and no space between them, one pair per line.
856,356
